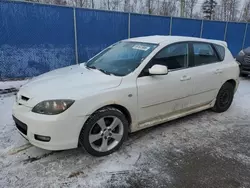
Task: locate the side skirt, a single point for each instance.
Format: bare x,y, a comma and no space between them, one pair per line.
173,116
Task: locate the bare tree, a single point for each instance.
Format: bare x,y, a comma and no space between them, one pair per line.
34,1
149,6
107,4
116,4
218,12
189,7
198,15
59,2
133,6
55,2
224,7
111,4
126,6
81,3
92,4
129,5
230,9
168,8
245,13
141,7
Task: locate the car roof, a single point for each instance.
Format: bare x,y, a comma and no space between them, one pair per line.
158,39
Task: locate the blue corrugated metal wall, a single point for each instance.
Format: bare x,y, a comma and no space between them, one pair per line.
99,29
144,25
234,36
186,27
247,40
36,38
213,30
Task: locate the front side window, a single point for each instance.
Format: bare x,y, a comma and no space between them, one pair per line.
121,58
174,56
203,54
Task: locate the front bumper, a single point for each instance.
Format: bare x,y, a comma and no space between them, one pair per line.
245,69
63,130
244,66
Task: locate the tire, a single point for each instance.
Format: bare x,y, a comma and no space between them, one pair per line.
243,75
104,132
224,98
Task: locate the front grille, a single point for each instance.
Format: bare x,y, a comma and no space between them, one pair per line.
20,126
247,58
246,68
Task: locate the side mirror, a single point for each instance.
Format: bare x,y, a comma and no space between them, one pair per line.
158,70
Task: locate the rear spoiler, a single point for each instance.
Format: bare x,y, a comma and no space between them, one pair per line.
224,43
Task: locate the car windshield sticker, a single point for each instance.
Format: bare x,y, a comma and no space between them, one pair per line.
141,47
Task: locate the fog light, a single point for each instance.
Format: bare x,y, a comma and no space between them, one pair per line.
42,138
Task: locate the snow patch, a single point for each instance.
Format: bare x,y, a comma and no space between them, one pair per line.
22,165
12,84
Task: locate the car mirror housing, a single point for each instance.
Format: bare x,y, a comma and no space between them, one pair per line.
158,70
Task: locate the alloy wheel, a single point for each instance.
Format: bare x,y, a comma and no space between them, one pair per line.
106,133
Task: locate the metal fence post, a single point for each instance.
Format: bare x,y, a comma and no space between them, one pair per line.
75,32
225,33
201,28
170,26
128,25
245,35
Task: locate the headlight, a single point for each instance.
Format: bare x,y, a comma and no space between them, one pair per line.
52,107
241,53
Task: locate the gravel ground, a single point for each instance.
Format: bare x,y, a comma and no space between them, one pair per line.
202,150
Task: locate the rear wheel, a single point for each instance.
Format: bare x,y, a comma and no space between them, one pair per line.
104,132
224,98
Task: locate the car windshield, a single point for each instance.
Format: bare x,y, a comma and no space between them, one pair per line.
121,58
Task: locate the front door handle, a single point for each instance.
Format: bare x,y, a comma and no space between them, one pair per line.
185,78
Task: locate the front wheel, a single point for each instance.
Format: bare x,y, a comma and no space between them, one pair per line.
104,132
224,98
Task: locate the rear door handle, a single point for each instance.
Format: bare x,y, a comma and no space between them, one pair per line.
185,78
218,71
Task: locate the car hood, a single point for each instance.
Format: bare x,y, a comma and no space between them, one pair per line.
69,82
247,51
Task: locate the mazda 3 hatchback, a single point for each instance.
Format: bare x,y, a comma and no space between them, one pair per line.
131,85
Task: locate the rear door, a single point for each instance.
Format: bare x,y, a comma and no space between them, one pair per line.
206,69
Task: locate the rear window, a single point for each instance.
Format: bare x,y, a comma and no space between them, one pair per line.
220,50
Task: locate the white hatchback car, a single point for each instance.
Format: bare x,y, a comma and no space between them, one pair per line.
131,85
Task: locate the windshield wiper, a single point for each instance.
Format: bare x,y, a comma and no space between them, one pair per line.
90,67
103,71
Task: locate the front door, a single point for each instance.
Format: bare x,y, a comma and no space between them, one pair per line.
160,96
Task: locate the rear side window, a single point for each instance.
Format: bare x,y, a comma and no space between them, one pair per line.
220,50
203,54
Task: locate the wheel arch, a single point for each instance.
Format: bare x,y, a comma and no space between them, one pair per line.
119,107
233,82
123,109
216,105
